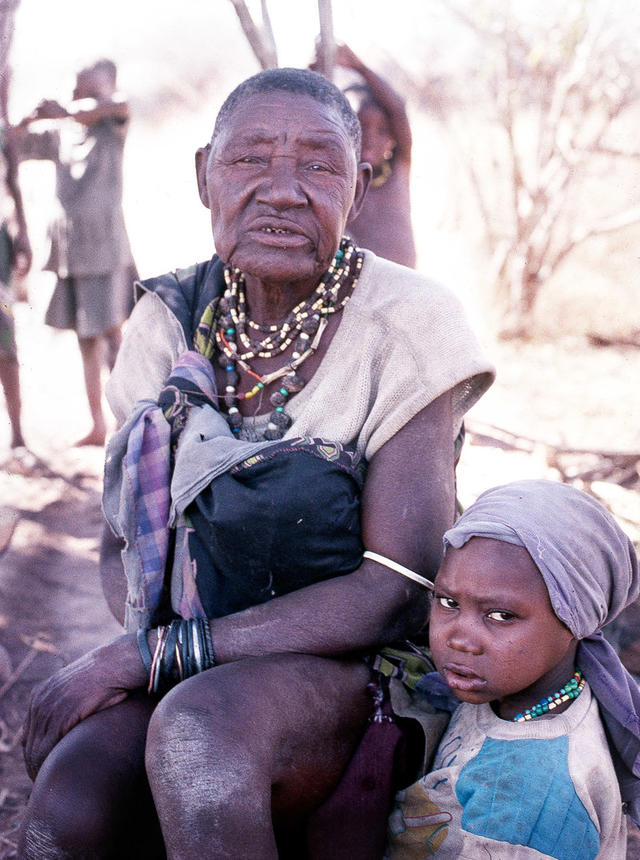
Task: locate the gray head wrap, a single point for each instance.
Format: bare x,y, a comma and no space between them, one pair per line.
590,568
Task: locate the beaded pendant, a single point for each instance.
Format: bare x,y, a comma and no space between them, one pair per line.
239,339
571,690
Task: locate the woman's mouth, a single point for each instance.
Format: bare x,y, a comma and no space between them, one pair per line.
273,235
463,679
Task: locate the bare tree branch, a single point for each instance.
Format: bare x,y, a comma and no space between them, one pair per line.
260,38
613,152
327,45
606,225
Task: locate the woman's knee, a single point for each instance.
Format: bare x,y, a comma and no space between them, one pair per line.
90,788
199,720
250,720
65,816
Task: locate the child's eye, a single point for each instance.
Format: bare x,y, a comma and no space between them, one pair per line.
500,615
445,602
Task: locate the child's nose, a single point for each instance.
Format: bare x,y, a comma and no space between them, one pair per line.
462,637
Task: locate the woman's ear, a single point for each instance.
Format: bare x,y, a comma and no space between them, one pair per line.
365,171
202,159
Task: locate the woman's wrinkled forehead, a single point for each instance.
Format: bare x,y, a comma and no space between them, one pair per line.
280,120
297,83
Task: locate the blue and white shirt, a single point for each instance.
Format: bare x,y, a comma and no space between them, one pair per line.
514,791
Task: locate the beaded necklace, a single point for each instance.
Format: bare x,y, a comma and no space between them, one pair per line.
571,690
239,339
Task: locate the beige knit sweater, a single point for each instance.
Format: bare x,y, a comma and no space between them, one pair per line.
403,340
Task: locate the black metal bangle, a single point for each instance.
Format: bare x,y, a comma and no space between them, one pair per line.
210,656
143,647
167,676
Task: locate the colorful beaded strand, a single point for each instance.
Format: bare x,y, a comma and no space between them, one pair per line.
571,690
303,327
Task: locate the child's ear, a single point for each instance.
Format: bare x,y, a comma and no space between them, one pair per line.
202,159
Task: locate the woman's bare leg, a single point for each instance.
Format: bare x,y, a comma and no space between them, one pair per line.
251,743
91,798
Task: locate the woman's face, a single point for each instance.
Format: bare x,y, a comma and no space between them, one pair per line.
493,633
280,180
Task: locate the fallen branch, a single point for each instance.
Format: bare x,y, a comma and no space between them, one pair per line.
36,644
501,438
600,340
22,665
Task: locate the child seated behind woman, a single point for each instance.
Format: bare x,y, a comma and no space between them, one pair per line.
541,758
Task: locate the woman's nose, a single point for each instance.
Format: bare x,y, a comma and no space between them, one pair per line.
281,185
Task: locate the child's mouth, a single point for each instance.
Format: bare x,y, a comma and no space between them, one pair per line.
463,679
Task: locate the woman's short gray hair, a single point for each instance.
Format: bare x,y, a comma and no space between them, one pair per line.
301,81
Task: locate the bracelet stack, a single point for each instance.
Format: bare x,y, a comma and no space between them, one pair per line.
184,648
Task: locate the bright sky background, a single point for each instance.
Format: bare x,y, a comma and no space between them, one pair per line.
165,51
54,37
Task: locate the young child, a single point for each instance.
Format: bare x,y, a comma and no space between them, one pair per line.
90,250
544,749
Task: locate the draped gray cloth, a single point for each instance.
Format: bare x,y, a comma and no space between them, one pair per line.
590,568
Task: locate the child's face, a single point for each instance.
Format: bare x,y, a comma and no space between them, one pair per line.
377,141
493,633
92,84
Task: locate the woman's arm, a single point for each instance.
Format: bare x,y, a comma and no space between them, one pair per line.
21,244
408,503
97,680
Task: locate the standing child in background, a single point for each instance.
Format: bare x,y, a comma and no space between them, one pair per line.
15,258
90,251
532,571
384,223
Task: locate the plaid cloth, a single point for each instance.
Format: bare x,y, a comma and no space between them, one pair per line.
139,457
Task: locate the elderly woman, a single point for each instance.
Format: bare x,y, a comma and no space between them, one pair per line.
258,388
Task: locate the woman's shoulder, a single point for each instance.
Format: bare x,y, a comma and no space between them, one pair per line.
390,288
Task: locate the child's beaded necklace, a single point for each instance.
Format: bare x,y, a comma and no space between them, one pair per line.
571,690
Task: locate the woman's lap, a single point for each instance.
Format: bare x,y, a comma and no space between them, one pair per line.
296,719
297,716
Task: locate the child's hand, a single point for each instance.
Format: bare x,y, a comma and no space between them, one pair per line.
346,58
50,109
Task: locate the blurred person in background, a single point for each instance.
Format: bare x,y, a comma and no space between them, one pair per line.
90,251
15,256
384,222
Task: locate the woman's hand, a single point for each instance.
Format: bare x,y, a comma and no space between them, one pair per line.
98,680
